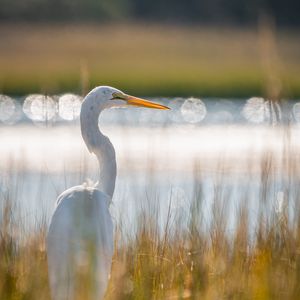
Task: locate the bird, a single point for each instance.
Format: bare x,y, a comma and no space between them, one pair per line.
80,242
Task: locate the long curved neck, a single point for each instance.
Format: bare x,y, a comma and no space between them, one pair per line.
98,144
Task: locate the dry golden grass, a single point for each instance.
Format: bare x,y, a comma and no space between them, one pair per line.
179,262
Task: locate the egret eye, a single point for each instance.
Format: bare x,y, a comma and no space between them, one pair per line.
118,95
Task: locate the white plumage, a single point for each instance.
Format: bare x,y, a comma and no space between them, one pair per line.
80,236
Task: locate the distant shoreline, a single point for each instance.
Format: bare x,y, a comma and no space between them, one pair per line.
147,59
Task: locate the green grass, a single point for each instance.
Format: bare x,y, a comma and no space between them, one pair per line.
145,59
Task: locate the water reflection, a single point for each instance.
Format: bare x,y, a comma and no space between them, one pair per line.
178,201
44,109
166,146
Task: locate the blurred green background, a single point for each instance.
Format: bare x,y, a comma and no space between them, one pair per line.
170,48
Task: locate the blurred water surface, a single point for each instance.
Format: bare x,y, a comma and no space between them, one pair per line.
165,158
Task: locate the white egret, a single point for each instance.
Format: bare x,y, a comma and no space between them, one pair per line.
80,237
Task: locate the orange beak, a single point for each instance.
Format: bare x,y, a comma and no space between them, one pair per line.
143,103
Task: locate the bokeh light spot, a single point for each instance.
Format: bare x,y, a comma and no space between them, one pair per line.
193,110
296,112
256,110
69,106
39,108
9,110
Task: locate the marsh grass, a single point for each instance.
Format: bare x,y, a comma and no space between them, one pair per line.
187,257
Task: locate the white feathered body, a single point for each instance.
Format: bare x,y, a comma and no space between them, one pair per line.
80,237
80,244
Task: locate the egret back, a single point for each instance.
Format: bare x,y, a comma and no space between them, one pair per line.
80,245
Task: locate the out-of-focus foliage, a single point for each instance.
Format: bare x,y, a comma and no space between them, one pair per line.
205,11
146,60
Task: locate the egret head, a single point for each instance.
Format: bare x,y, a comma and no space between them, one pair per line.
107,97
